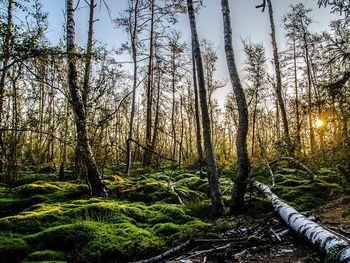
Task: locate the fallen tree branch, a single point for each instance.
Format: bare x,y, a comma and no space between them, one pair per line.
322,239
152,151
168,253
295,161
171,187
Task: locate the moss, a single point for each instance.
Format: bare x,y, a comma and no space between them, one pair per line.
64,237
40,187
122,242
170,213
333,254
32,221
45,255
12,249
306,195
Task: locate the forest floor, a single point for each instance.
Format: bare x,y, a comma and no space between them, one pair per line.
46,220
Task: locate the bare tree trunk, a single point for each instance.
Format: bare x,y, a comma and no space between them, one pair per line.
241,140
133,33
89,46
6,55
296,94
93,174
173,128
215,193
63,147
308,69
147,158
197,115
156,117
279,80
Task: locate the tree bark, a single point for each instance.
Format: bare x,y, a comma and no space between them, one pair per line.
147,155
213,179
320,238
241,140
7,49
197,115
93,174
279,80
133,34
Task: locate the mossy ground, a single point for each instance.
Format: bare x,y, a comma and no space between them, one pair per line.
42,219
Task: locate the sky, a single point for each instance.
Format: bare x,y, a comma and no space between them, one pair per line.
247,22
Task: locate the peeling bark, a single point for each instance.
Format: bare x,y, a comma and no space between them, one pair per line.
320,238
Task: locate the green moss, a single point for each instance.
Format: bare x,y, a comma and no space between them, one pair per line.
305,195
44,255
64,237
333,254
170,213
32,221
12,249
40,187
122,242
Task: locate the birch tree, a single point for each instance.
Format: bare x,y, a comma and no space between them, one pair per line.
93,174
240,183
215,193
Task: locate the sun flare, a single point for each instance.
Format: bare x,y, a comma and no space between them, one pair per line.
319,123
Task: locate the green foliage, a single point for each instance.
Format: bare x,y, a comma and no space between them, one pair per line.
12,249
45,255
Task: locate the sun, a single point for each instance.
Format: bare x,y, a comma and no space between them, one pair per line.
319,123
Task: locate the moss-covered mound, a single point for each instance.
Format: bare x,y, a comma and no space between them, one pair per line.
298,190
57,221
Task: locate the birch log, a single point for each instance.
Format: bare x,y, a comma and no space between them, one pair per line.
322,239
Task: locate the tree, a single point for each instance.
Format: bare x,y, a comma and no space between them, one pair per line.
8,41
279,79
338,6
299,18
255,68
93,174
215,193
240,184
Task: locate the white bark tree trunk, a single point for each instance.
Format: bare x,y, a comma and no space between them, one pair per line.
320,238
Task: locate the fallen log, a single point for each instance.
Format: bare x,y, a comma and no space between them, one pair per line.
320,238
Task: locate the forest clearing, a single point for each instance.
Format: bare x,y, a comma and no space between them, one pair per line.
174,131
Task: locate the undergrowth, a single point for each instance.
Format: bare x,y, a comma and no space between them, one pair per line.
42,219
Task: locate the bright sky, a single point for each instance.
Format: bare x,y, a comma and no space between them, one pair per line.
246,21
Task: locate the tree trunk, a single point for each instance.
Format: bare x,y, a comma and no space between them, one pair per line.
320,238
296,94
213,179
6,53
156,117
241,140
279,80
197,115
147,158
308,69
133,34
173,86
93,174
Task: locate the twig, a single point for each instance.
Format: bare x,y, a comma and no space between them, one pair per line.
171,187
168,253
